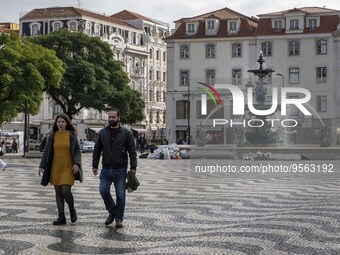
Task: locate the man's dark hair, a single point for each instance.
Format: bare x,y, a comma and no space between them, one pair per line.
115,110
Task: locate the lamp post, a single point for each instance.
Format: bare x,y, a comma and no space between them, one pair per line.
283,85
283,79
188,114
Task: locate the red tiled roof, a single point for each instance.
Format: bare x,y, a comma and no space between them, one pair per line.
222,14
60,12
328,24
247,26
309,10
129,15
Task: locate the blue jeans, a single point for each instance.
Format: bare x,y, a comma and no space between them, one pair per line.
118,177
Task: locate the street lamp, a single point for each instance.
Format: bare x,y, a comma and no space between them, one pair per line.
188,114
283,84
283,79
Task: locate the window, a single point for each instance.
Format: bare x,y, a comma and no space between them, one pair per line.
191,28
158,76
164,56
321,47
294,75
219,114
73,26
158,98
150,75
237,76
97,30
164,76
57,26
232,26
182,109
210,51
150,117
210,76
157,54
321,103
312,23
321,74
184,51
157,117
277,25
164,96
294,48
88,28
294,24
151,97
151,53
266,48
211,24
236,50
184,77
35,29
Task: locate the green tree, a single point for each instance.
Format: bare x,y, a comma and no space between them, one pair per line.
26,71
92,76
130,103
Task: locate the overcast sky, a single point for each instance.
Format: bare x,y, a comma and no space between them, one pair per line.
166,11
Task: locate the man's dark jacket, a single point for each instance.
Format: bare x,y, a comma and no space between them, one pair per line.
115,151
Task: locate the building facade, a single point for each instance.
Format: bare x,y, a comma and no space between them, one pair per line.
129,42
219,47
154,90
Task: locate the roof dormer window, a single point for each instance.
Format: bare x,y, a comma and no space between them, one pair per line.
73,25
277,25
210,24
232,26
312,23
35,28
191,28
294,24
57,25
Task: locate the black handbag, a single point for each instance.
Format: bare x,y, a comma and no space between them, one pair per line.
79,176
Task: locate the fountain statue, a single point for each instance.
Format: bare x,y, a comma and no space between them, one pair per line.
260,135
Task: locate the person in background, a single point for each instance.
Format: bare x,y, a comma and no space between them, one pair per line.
61,165
15,146
44,140
115,142
3,146
142,143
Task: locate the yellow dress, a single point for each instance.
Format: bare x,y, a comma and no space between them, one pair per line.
61,171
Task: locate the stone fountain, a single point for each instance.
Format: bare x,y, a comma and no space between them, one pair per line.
260,135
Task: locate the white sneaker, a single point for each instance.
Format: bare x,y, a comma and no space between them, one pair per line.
4,168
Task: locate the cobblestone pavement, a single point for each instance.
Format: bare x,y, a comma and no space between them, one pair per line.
176,211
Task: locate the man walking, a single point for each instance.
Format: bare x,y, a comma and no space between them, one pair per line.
115,142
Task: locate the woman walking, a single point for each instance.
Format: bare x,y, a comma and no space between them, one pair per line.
61,165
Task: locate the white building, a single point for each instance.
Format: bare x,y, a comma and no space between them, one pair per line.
154,91
216,47
301,45
131,44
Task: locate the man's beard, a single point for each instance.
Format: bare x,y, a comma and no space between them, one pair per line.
113,123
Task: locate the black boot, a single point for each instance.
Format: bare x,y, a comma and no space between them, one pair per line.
61,220
73,215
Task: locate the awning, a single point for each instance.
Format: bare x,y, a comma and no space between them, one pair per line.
96,129
140,130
